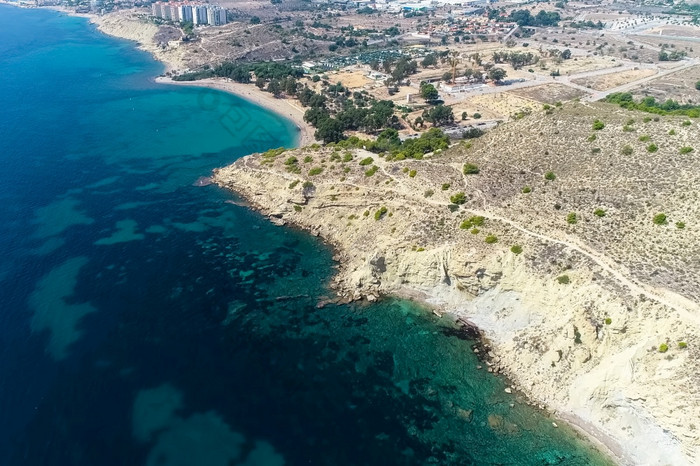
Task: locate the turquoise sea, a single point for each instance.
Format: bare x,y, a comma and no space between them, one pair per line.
145,320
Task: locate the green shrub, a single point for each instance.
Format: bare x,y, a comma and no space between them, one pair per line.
577,335
599,213
491,239
526,190
474,221
686,123
445,186
627,150
412,173
371,171
516,249
680,225
660,219
630,121
682,344
474,231
477,220
293,184
550,176
672,132
347,157
572,219
380,213
315,171
563,279
644,138
652,147
308,159
686,150
307,185
428,193
646,119
598,125
297,208
477,116
608,321
366,213
663,347
458,198
595,150
628,129
592,138
470,169
366,161
291,161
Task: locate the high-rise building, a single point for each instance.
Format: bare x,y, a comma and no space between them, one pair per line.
185,12
156,10
198,14
174,13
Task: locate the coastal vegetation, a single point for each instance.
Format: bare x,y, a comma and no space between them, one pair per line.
651,105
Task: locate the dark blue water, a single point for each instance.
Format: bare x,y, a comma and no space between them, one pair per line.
148,321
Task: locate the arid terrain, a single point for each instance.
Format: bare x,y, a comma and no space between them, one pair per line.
558,253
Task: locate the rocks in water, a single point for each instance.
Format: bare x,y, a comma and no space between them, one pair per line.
465,414
203,181
508,390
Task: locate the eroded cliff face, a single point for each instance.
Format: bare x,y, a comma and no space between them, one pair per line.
570,326
163,42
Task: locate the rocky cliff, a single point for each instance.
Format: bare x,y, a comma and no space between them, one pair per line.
593,315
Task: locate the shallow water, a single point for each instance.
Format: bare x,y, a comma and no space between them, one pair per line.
148,321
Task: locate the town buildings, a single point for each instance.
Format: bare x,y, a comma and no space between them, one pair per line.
196,13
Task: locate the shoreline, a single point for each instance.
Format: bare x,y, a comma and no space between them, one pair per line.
281,107
605,444
284,108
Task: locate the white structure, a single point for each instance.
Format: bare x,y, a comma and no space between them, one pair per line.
197,13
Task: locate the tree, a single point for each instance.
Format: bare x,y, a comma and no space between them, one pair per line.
566,54
439,115
290,86
329,130
274,87
429,60
497,75
697,85
428,92
254,20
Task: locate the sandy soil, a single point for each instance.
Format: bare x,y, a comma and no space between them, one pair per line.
286,108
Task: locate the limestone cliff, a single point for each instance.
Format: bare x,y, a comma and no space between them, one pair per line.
583,312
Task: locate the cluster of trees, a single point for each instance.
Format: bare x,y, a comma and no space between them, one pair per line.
241,72
516,59
356,114
388,142
674,55
650,105
542,18
586,25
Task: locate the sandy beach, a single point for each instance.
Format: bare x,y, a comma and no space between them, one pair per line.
284,107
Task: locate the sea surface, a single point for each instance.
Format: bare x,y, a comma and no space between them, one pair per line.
145,320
